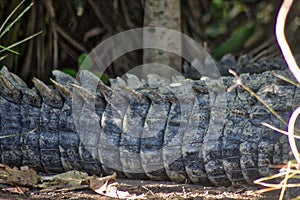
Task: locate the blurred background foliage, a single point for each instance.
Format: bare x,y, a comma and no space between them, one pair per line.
72,28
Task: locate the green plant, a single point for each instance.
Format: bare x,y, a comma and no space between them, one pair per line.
6,27
86,63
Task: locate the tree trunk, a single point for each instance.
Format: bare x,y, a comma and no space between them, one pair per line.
164,14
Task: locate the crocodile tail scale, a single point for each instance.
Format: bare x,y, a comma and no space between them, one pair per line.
181,130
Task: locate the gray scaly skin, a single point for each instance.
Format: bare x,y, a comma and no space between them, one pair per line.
181,131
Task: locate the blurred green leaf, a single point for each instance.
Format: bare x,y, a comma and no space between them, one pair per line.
85,61
216,30
235,42
222,13
69,71
105,78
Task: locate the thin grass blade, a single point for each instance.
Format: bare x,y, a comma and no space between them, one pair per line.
22,41
8,49
17,19
10,15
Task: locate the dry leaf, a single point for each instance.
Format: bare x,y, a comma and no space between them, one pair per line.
23,177
16,190
73,177
107,186
71,180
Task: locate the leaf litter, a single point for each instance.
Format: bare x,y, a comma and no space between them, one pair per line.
26,183
25,178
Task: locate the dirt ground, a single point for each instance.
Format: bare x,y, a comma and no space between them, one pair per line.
151,190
